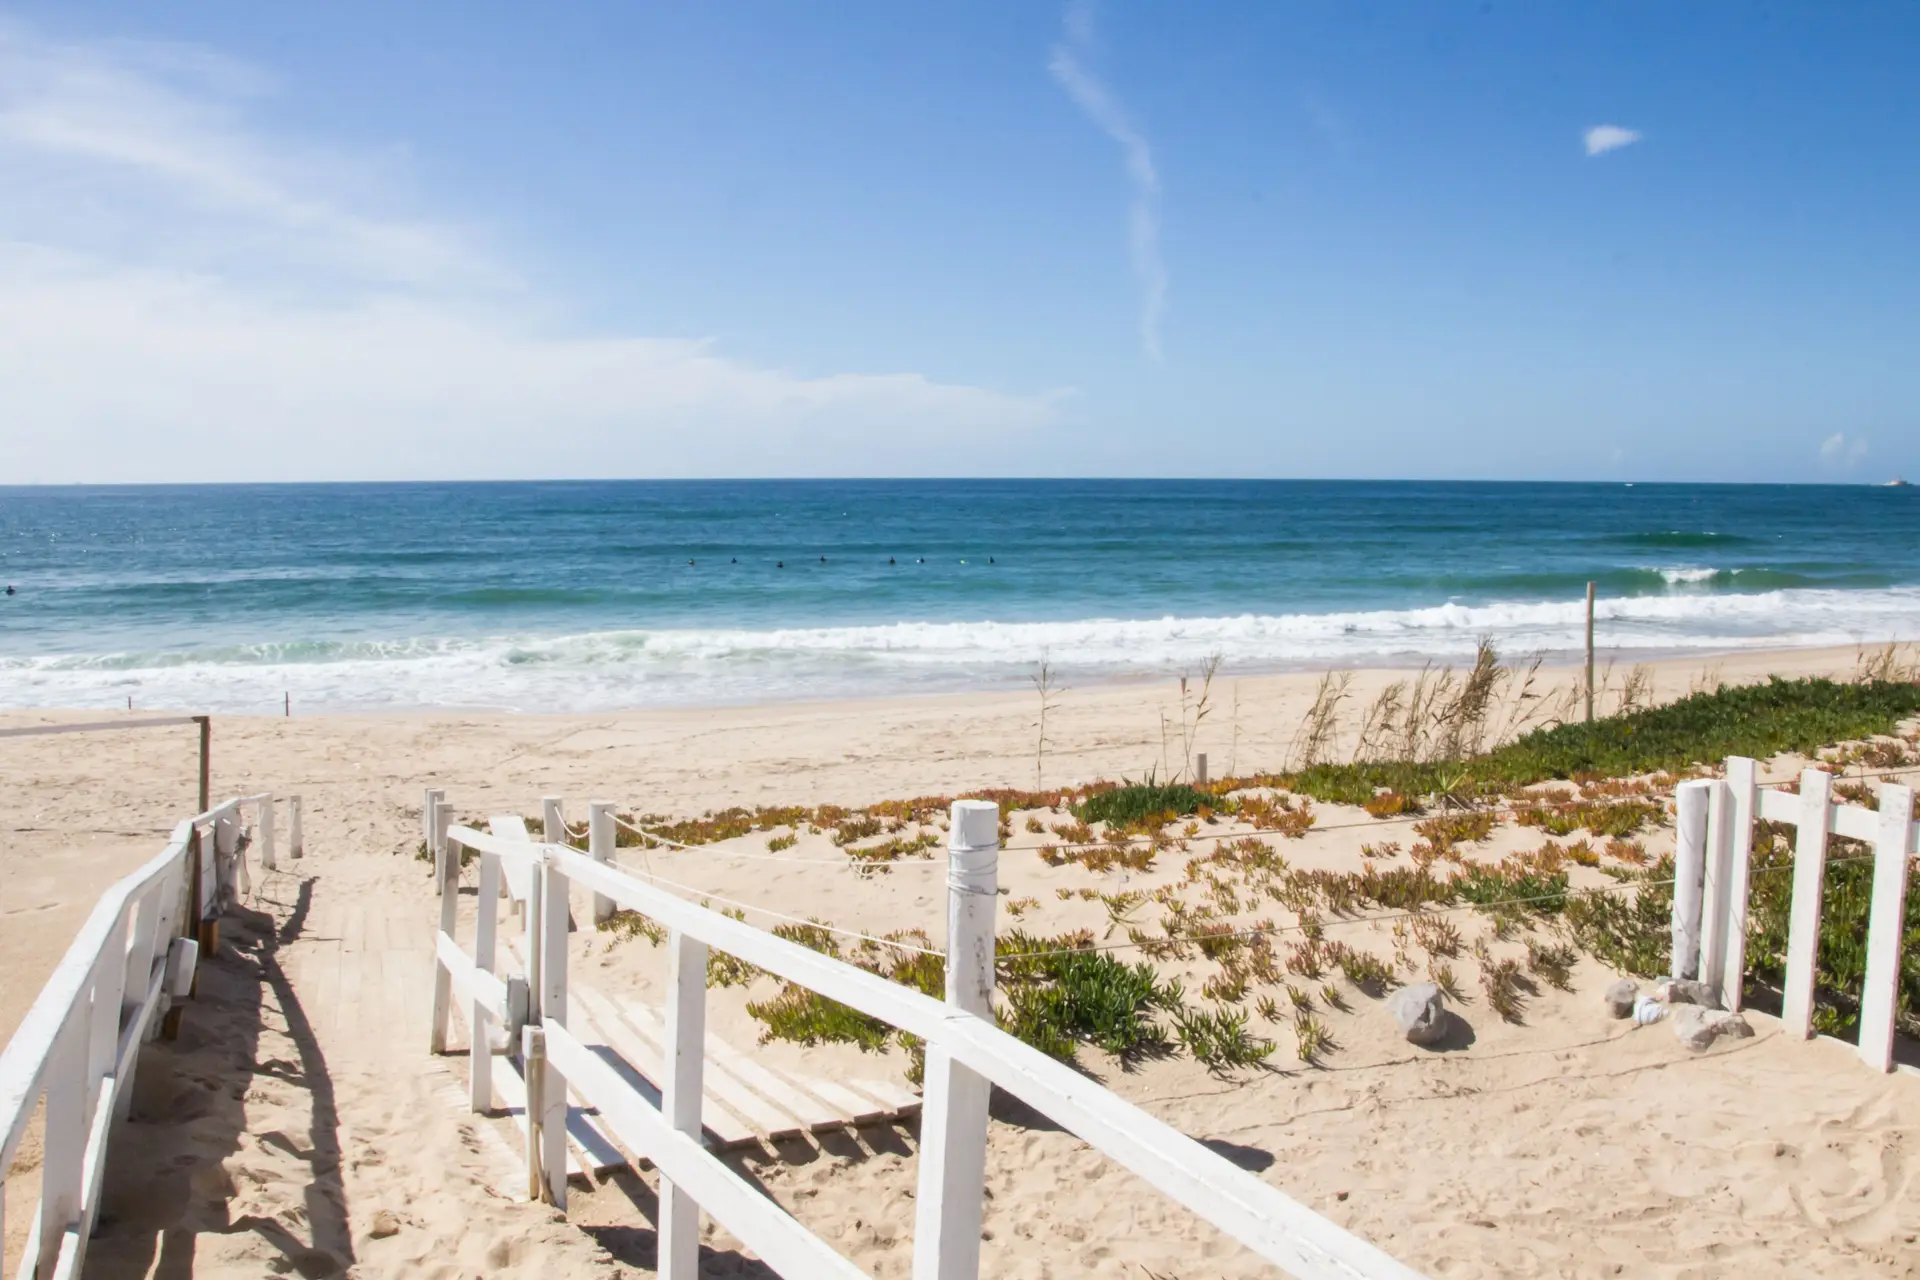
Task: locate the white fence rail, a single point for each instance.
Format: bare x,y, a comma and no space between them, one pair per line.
966,1055
78,1045
1714,819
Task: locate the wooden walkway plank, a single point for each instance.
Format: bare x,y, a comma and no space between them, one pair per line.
725,1127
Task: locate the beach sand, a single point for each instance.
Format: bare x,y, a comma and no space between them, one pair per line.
299,1125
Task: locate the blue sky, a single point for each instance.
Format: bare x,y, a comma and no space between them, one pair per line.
244,241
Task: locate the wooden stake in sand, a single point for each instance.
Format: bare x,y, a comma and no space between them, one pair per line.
1589,652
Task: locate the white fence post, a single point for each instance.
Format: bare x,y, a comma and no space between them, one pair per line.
296,842
64,1135
552,1100
600,841
953,1117
1723,922
1742,781
553,818
680,1092
269,856
1803,917
430,828
1886,922
447,868
1690,801
486,912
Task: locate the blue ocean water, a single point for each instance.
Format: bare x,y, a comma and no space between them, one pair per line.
600,594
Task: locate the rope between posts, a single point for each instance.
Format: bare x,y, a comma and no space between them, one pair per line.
851,860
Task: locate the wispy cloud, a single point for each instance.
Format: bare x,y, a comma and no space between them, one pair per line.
1143,217
185,294
1603,138
1837,450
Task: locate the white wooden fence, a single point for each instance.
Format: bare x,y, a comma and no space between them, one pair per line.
966,1054
1714,820
79,1043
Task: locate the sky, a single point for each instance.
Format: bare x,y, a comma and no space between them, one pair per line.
1634,241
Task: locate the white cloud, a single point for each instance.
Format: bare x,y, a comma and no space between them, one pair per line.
1603,138
1838,451
183,296
1143,218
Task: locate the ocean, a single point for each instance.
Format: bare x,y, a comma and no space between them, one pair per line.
591,595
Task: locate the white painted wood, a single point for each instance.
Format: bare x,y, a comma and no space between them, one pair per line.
64,1132
517,868
1741,782
1690,803
1803,918
540,1185
953,1121
601,839
446,860
469,985
642,1054
480,1045
109,985
755,1219
1850,821
551,1100
444,971
296,839
682,1090
269,855
553,819
1266,1220
762,1115
433,798
1886,923
1713,901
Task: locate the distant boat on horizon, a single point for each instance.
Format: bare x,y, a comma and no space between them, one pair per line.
1897,483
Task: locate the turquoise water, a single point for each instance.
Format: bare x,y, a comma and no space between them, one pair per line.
601,594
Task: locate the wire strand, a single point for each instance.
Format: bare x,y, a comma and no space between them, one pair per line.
780,915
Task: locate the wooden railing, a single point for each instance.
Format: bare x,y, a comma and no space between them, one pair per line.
966,1054
78,1045
1714,821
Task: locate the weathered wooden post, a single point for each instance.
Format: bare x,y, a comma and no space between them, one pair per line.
1723,912
296,840
551,1101
601,838
953,1119
449,916
269,856
1803,916
1886,923
1690,801
429,824
553,819
1589,652
679,1254
206,761
1200,770
486,911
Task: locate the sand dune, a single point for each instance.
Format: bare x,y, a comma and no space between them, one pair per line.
299,1125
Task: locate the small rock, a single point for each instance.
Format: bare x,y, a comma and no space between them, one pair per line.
385,1223
1698,1027
1420,1012
1685,991
1732,1024
1691,1027
1620,996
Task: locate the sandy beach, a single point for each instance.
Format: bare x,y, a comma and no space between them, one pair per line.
299,1123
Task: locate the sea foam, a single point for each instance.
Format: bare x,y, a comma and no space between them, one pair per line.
628,668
